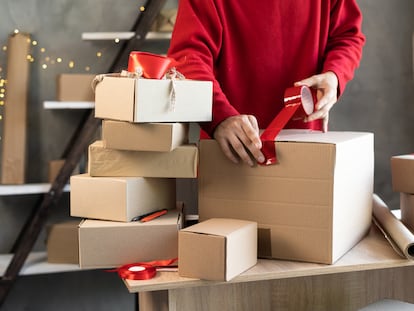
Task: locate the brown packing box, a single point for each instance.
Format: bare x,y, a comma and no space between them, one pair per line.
75,87
182,162
407,209
119,198
13,140
402,171
313,206
62,243
106,244
217,249
144,136
151,100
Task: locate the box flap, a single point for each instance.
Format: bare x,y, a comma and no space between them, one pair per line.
218,226
317,136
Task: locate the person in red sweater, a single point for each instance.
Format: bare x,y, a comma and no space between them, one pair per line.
254,50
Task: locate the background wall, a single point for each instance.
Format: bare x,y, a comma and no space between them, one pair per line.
379,100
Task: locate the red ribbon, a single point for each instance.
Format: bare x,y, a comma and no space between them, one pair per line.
299,102
153,66
142,270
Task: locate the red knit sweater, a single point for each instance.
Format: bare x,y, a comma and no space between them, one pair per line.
254,50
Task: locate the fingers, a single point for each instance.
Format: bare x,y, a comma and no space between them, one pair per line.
326,85
238,137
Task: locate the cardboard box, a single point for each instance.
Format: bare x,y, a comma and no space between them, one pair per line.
313,206
75,87
217,249
402,171
182,162
407,209
151,100
144,136
13,159
119,198
62,242
107,244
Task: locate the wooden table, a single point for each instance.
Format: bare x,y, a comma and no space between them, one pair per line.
367,273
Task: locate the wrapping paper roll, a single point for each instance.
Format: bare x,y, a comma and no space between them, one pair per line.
400,238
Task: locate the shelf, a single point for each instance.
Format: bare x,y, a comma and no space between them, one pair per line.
27,189
152,35
36,263
68,105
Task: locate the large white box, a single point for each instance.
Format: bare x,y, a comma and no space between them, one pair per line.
314,205
119,198
152,100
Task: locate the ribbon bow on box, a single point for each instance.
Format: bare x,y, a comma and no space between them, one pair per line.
298,103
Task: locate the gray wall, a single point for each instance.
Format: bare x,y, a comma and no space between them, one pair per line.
379,100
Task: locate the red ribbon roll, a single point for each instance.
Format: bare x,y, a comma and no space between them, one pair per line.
153,66
299,103
142,270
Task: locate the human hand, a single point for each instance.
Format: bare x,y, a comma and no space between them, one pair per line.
238,137
326,85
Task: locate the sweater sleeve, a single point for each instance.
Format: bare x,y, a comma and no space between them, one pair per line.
344,47
195,45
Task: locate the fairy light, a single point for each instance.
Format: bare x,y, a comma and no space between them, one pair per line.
99,54
142,8
59,60
71,64
44,66
34,42
4,48
117,40
16,31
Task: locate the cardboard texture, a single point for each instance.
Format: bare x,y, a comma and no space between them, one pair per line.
163,137
217,249
314,205
151,100
107,244
182,162
402,171
62,242
407,210
75,87
119,198
13,162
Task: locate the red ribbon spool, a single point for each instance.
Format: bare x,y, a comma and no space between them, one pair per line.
153,66
142,270
299,103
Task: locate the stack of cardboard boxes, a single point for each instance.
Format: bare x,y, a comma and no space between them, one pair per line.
132,170
402,169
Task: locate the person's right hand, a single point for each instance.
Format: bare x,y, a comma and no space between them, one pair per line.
238,137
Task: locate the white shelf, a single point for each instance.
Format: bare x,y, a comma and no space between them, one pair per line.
27,189
152,35
68,105
36,263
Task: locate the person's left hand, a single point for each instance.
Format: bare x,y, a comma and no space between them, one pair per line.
326,85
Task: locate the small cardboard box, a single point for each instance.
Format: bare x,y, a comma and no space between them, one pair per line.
75,87
119,198
217,249
402,171
182,162
152,100
314,205
407,209
144,136
107,244
62,242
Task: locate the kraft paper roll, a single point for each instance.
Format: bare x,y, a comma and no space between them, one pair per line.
298,103
400,238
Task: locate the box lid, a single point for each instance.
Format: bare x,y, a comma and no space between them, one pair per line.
218,226
333,137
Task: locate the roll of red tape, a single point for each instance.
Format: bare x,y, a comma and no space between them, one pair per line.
298,103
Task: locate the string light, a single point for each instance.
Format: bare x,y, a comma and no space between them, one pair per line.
142,8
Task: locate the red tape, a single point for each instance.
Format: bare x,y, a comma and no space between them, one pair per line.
299,103
142,270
